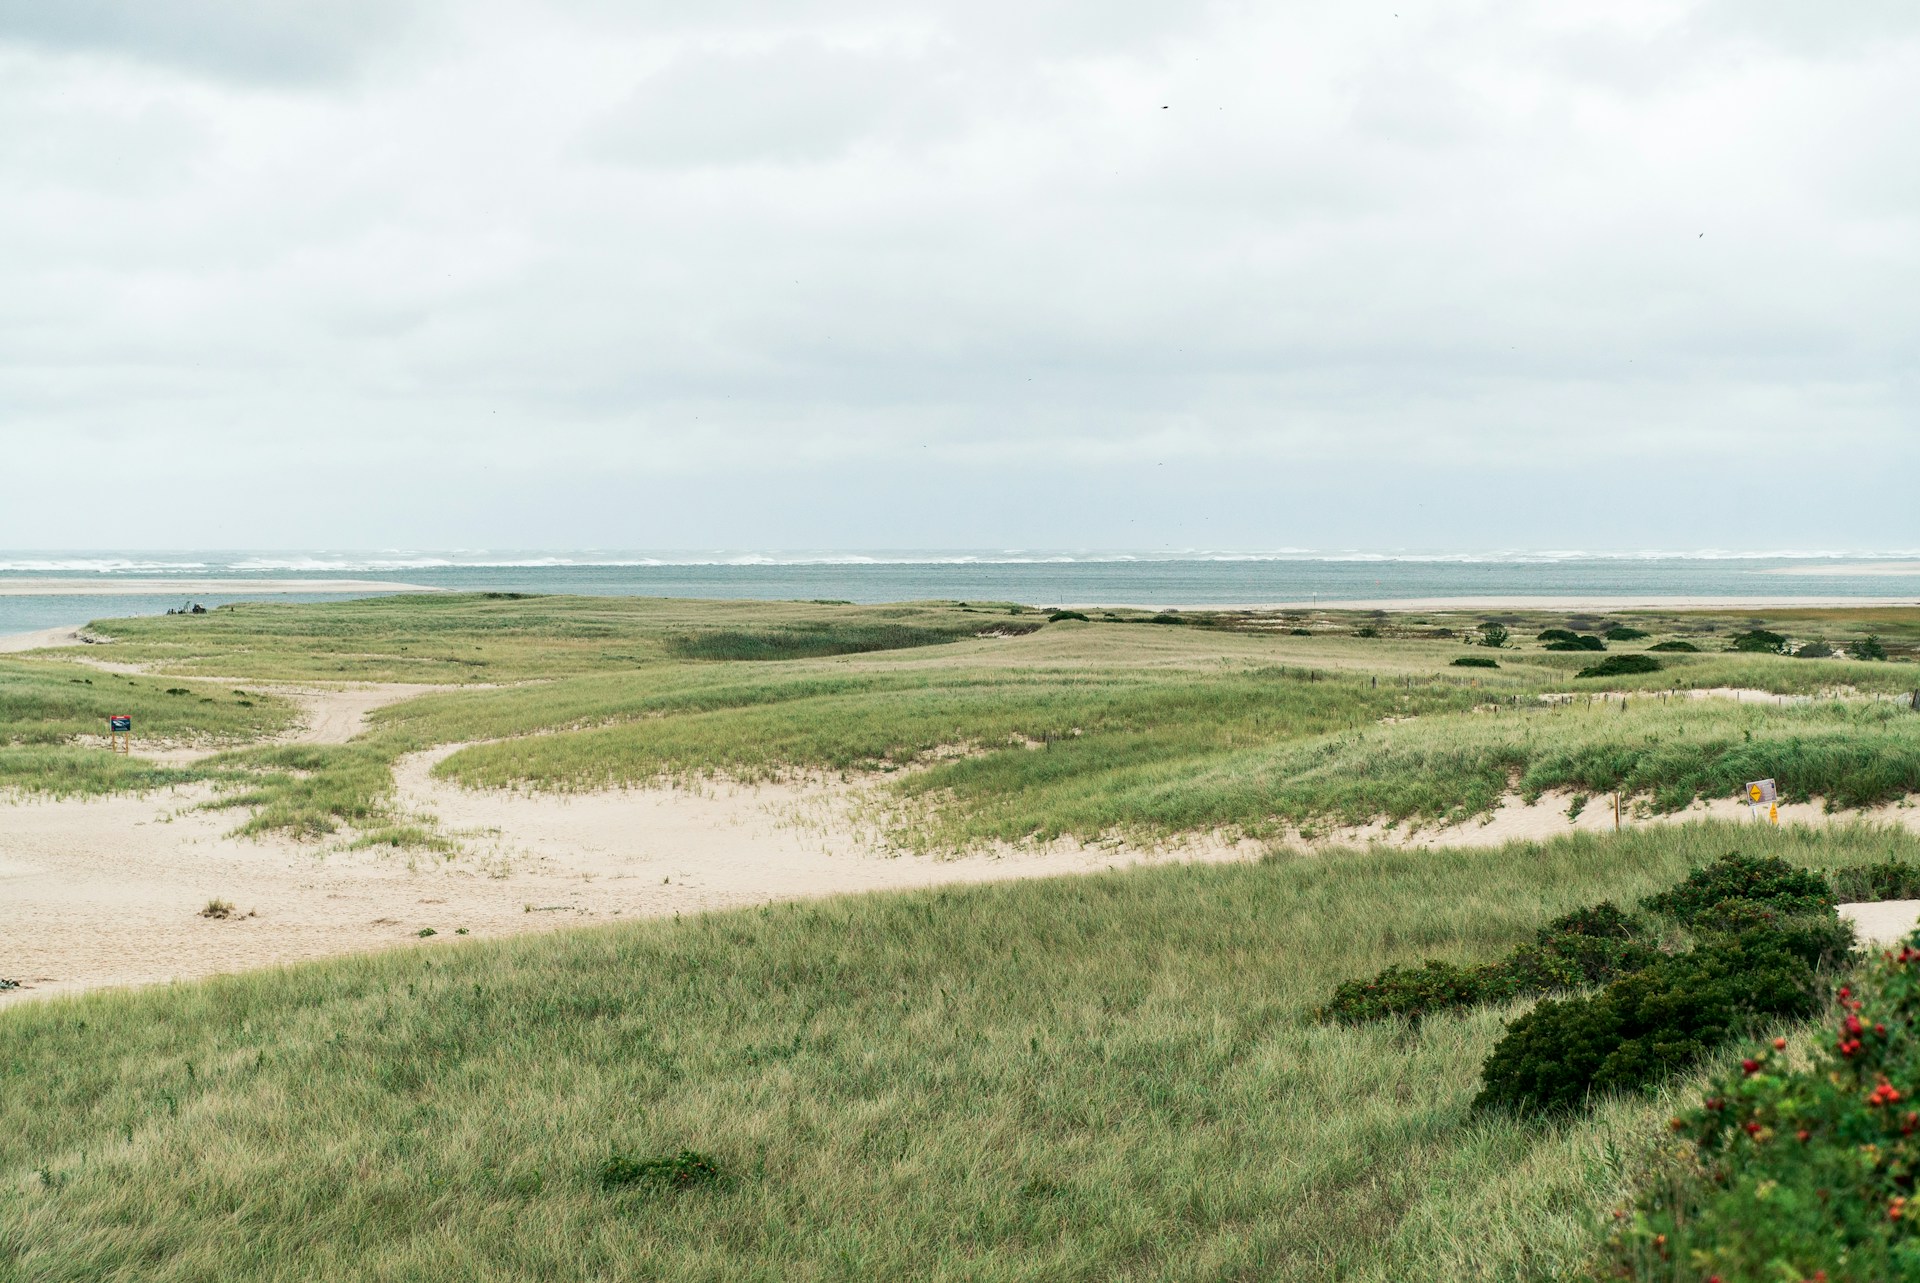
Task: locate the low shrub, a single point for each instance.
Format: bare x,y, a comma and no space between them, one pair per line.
1675,648
1589,946
1556,635
1412,992
1622,632
1868,647
1166,617
1798,1173
1889,880
1366,630
1621,666
685,1170
1815,649
1494,635
1585,641
1760,879
1060,616
1759,642
1476,661
1646,1026
1299,632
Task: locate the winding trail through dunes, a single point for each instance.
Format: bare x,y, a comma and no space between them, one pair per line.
110,892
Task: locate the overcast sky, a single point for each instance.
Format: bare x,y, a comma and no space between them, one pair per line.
989,273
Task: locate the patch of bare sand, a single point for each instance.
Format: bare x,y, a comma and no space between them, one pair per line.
1517,820
44,639
96,893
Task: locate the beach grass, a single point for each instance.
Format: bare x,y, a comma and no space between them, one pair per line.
1114,1076
1018,728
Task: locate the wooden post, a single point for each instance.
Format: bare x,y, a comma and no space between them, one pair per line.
1616,810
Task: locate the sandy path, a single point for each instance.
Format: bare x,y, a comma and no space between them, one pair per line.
66,635
110,892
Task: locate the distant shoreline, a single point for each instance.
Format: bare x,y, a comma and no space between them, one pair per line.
118,587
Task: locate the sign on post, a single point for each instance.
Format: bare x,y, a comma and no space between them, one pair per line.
120,733
1764,793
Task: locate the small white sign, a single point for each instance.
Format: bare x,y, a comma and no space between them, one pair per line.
1762,793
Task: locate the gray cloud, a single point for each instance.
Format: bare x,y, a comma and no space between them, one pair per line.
245,39
831,273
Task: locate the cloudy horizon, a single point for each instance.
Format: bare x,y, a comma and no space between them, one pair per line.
848,275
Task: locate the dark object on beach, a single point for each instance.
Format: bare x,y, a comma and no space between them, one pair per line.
685,1170
1476,661
1676,647
1621,666
6,984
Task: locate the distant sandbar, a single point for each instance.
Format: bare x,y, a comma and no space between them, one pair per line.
118,587
1866,569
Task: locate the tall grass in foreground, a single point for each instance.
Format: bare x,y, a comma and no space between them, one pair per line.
1100,1078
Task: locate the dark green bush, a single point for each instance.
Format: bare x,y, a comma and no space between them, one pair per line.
1476,661
1166,617
685,1170
1676,647
1621,632
1494,634
1406,991
1868,647
1060,616
1763,879
1815,649
1299,632
1584,642
1556,635
1589,946
1889,880
1621,666
1759,642
1646,1026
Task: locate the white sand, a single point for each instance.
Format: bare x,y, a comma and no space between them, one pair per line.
1883,922
14,643
117,587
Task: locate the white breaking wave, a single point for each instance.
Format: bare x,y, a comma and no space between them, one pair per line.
107,564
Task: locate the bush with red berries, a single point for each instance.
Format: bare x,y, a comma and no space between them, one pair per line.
1799,1172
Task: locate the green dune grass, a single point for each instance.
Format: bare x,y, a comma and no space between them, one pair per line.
1106,1077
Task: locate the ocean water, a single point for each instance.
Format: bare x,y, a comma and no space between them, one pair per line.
1036,577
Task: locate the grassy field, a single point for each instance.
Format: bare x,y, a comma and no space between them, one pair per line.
1108,1077
1028,729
